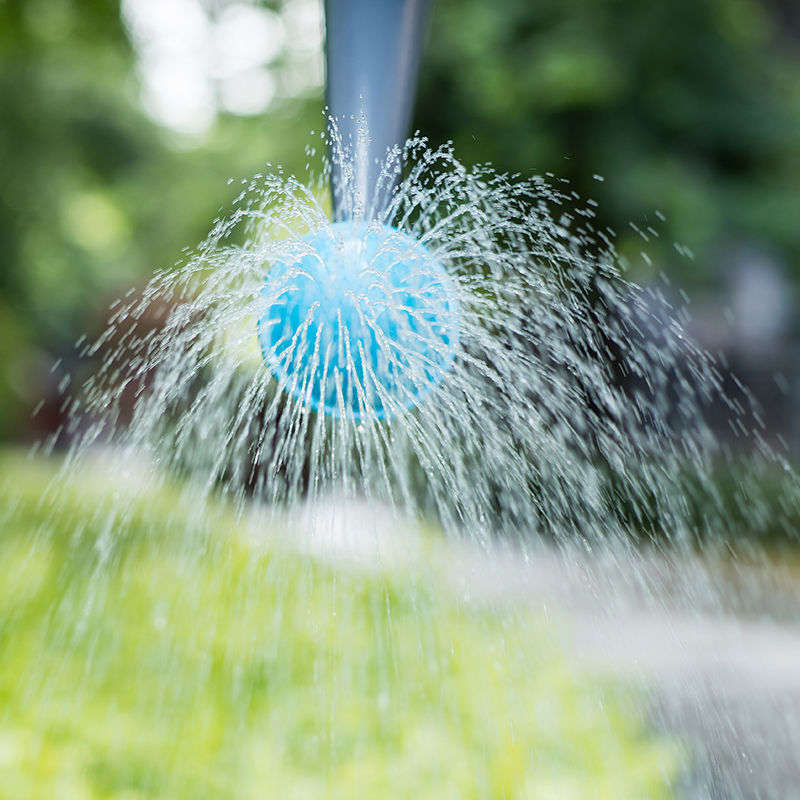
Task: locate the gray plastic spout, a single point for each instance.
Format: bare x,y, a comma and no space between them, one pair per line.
373,51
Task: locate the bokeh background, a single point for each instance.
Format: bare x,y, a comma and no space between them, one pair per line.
120,123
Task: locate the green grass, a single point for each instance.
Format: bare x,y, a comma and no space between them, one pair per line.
148,656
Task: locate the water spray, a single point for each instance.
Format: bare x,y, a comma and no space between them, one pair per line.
460,344
363,322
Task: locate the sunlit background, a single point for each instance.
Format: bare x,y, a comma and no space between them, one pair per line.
122,122
196,60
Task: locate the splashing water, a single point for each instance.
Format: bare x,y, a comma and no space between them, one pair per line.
472,353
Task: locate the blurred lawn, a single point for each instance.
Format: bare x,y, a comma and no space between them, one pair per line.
146,658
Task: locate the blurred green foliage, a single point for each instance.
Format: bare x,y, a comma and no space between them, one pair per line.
691,107
174,661
94,195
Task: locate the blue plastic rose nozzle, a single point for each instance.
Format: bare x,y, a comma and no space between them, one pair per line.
363,323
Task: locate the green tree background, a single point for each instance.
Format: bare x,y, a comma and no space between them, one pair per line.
691,107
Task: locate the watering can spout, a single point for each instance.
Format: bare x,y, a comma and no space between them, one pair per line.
373,49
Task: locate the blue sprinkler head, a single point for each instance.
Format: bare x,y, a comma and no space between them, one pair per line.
362,324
